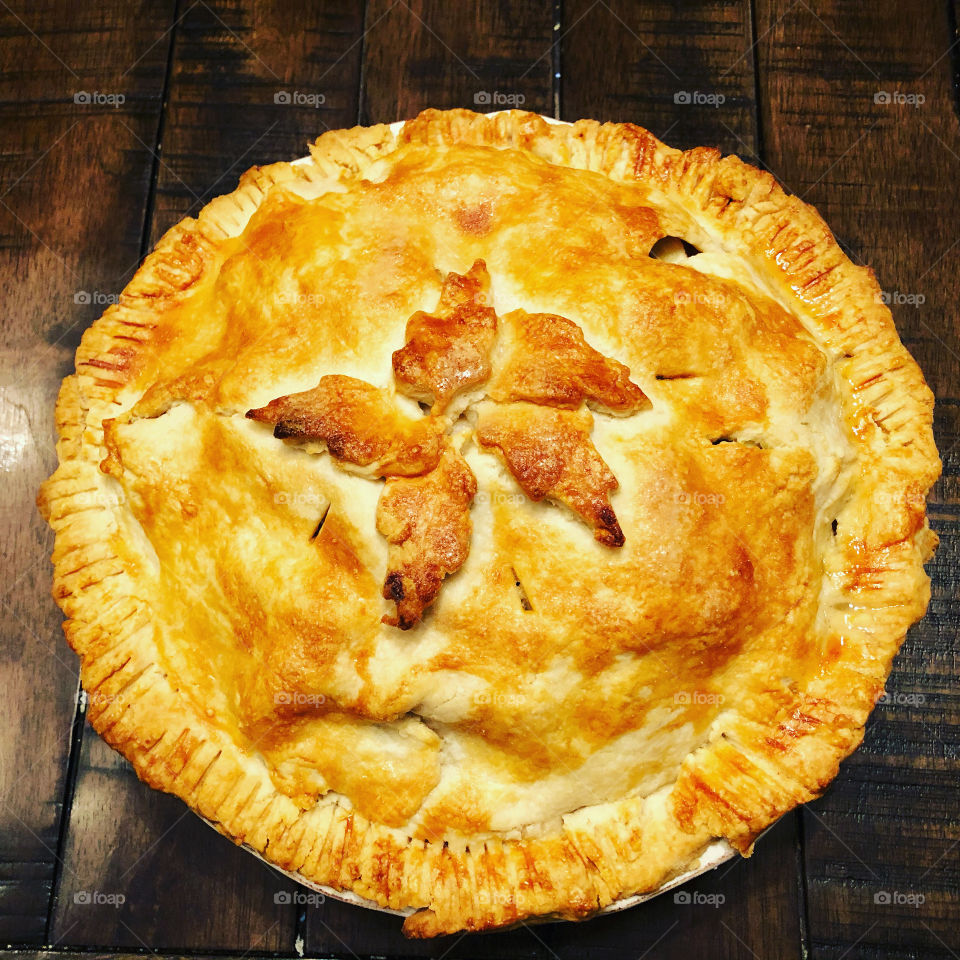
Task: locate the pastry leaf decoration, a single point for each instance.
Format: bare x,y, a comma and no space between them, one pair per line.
526,375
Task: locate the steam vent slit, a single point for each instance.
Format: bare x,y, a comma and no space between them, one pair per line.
521,592
322,521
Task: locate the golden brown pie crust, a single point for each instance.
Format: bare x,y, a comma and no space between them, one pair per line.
515,755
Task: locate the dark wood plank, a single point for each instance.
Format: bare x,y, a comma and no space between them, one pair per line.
54,954
731,909
890,820
732,913
141,871
61,258
47,953
338,929
234,67
478,55
845,128
683,71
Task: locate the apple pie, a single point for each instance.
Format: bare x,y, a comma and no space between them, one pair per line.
484,515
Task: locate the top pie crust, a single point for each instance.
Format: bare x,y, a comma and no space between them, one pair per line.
571,722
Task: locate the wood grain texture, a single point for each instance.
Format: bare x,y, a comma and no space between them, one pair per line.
62,257
659,64
418,55
248,83
859,120
484,55
682,70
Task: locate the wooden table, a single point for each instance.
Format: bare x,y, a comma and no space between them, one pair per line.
120,118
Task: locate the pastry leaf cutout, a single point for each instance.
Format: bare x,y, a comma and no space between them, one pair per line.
359,425
536,380
448,351
550,454
548,361
426,521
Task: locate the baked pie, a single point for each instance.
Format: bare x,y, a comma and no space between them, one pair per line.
487,515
